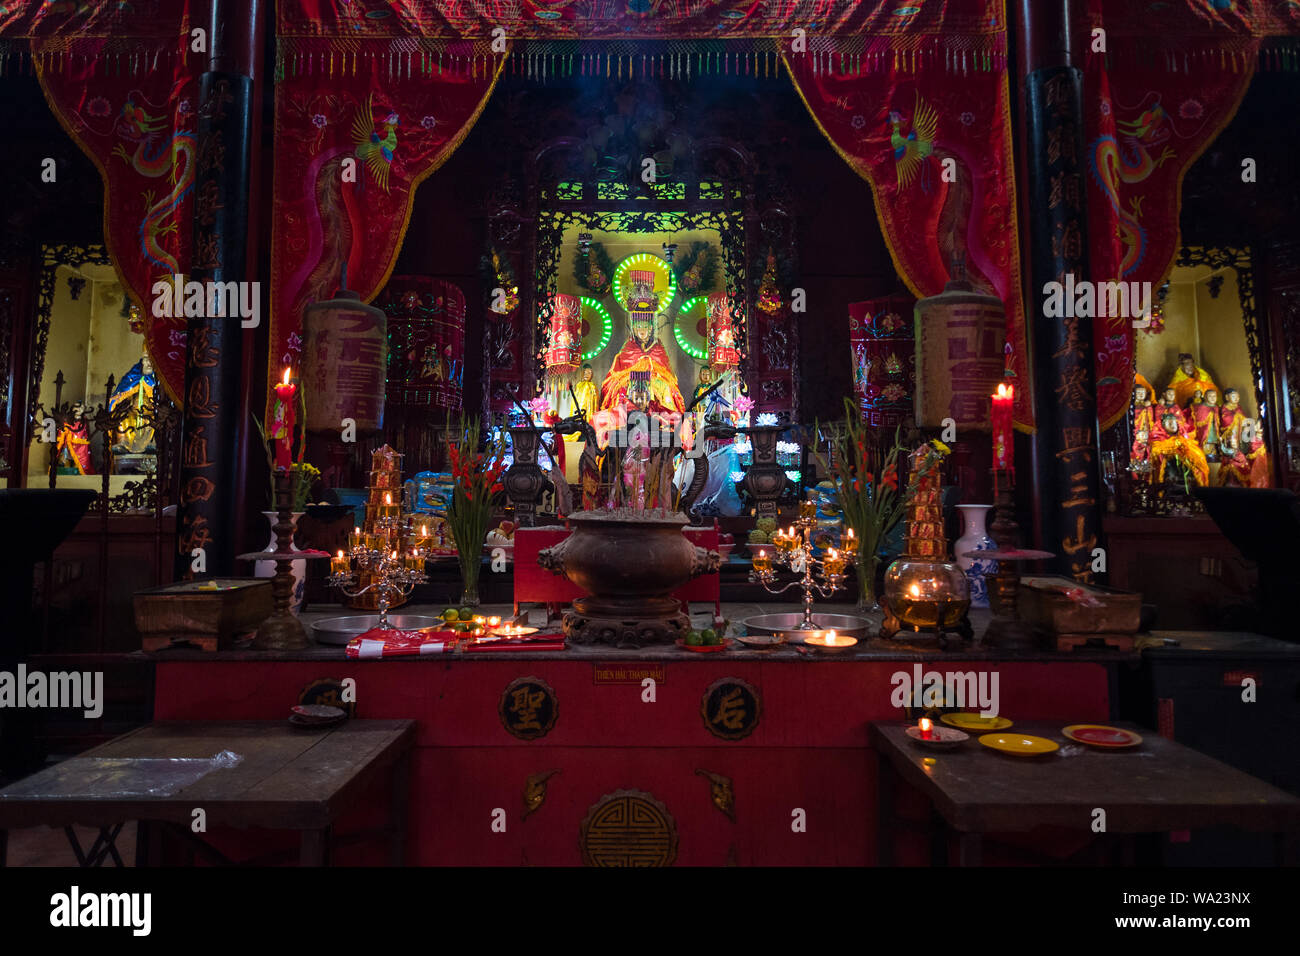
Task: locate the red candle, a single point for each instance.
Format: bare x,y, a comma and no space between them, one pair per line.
927,728
1003,439
285,392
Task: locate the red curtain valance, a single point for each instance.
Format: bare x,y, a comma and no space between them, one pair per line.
1167,84
631,19
125,89
353,140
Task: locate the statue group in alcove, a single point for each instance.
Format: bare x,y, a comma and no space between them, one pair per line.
1188,429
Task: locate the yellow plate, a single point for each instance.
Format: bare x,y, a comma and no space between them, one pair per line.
1022,745
975,723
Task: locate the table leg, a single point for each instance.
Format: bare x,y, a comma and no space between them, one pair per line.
1286,849
938,839
399,808
970,849
4,848
886,784
143,838
314,848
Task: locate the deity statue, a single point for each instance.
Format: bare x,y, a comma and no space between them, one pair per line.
1144,424
1189,377
1205,419
1250,467
587,393
1169,403
642,358
1231,418
74,444
136,391
1178,443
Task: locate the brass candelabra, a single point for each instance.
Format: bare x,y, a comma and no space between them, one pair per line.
394,570
794,550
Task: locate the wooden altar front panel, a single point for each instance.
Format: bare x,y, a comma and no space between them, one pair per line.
809,750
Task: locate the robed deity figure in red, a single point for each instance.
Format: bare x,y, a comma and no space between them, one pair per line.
654,386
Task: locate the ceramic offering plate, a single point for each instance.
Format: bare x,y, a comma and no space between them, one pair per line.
704,648
941,738
1020,745
316,715
1099,735
761,642
975,723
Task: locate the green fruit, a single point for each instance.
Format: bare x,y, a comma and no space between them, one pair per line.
766,525
710,637
450,614
694,639
759,537
467,614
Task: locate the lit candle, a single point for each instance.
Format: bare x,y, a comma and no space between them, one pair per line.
927,728
285,392
1003,438
831,638
915,590
339,564
762,562
494,621
355,540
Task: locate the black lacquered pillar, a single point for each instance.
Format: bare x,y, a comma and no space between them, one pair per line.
213,428
1053,187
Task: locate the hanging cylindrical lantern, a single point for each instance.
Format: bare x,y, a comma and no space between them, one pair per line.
723,352
563,341
959,357
344,364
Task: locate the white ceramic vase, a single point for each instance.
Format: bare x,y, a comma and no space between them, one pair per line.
266,569
975,537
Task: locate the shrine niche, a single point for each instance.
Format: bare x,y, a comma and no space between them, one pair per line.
100,419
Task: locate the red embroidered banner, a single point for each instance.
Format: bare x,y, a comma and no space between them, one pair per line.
929,129
124,88
355,134
1159,95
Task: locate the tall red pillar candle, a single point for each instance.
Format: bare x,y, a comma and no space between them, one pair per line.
285,392
1003,438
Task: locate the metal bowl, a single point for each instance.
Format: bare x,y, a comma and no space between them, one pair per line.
340,630
786,625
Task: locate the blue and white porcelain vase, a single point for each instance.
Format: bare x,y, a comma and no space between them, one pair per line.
975,537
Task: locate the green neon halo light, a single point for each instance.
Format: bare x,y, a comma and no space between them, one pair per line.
648,260
606,330
695,353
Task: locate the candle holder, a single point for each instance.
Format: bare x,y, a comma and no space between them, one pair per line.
282,631
392,573
794,550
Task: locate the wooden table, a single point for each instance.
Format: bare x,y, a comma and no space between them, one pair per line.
1158,787
288,779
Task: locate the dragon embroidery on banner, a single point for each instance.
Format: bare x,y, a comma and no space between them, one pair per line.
1127,160
914,152
155,157
373,145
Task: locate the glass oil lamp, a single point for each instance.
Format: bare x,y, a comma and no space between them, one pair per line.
923,590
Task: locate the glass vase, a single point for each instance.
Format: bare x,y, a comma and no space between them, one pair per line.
469,582
866,568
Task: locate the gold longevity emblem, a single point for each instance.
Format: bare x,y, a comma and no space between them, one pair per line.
528,708
628,828
731,708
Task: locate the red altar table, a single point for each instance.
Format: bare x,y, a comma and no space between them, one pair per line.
793,783
535,585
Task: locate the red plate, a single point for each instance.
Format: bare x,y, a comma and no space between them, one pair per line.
705,648
1100,735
